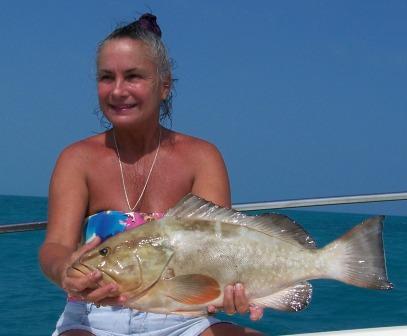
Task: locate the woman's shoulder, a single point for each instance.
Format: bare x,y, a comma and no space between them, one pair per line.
191,144
84,150
194,152
86,146
206,166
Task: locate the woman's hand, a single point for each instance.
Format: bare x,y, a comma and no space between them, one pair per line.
86,287
235,300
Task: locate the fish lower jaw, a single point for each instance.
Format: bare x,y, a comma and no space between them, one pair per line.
82,268
85,270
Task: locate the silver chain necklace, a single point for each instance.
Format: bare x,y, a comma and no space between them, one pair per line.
148,176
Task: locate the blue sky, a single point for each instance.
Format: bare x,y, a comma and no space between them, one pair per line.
303,98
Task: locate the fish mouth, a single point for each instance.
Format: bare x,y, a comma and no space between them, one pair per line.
82,268
86,269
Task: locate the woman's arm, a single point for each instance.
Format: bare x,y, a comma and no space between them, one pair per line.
66,211
211,181
68,202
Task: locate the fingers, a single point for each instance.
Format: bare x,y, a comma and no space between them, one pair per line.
88,246
114,301
256,312
235,300
101,293
241,302
68,271
103,296
211,309
88,287
75,282
228,300
89,291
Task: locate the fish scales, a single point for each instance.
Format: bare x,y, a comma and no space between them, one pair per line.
182,262
231,254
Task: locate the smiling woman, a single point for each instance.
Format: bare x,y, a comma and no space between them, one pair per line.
129,87
152,60
138,169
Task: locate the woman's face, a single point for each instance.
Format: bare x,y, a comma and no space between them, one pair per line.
129,87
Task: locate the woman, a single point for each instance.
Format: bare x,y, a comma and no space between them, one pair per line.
140,170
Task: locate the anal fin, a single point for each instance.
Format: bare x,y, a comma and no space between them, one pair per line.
292,298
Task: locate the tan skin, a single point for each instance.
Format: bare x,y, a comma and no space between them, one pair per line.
87,179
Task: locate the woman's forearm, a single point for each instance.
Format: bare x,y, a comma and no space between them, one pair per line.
53,260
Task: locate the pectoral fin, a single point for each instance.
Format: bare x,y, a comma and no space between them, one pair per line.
191,288
293,298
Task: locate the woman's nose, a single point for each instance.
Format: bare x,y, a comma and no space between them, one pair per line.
119,88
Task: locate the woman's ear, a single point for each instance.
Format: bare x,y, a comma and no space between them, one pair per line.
166,88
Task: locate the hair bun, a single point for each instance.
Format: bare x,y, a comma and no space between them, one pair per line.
149,22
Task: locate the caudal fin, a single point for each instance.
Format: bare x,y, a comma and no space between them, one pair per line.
359,256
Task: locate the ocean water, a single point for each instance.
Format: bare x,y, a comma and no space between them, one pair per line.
30,304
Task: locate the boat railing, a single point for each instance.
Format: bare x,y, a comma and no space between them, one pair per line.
298,203
309,202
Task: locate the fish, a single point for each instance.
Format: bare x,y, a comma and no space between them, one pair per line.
181,263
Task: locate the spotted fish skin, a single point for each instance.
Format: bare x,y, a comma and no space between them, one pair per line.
182,262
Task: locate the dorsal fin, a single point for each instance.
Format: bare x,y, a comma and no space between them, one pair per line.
275,225
290,227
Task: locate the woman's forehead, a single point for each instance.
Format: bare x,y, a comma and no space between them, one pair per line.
125,51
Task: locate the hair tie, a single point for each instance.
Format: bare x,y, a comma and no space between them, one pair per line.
149,22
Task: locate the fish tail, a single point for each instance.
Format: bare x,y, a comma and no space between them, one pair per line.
359,256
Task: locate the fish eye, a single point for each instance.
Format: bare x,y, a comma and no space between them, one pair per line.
104,251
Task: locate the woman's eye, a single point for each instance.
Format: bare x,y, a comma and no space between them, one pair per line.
133,77
104,78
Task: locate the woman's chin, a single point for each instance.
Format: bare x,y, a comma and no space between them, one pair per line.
123,119
129,120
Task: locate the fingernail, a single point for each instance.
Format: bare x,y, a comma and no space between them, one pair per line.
95,274
258,317
230,287
211,309
238,286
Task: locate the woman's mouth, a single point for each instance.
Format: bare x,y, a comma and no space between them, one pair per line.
120,108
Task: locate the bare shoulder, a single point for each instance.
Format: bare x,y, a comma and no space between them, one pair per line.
80,153
206,165
68,192
195,148
85,148
74,164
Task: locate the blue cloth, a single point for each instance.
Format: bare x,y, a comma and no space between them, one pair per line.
117,321
105,224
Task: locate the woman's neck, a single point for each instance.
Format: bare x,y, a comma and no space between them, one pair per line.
134,144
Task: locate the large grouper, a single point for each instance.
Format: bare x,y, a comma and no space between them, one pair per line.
181,263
